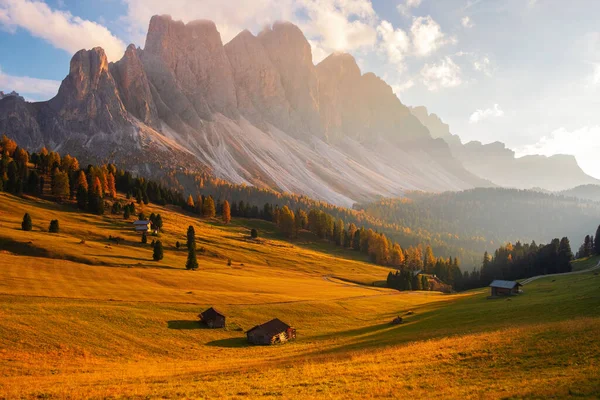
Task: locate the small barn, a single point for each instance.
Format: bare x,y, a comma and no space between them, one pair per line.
272,332
141,226
212,318
505,288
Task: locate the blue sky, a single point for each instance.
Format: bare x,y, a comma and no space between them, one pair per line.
524,72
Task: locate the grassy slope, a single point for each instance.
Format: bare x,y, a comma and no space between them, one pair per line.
71,329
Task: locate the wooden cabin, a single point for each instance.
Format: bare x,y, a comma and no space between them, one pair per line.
505,288
141,226
272,332
212,318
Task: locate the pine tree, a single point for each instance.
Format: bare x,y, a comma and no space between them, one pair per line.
226,212
597,241
192,261
53,228
158,251
126,213
82,197
26,225
144,238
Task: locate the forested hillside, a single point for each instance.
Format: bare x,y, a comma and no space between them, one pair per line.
483,219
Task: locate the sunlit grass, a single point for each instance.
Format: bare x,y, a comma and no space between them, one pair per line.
112,323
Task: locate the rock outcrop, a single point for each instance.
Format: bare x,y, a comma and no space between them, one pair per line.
254,111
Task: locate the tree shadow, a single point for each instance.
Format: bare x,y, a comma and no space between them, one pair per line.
236,342
184,325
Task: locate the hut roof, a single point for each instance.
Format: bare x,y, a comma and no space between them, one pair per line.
504,284
272,327
211,313
141,222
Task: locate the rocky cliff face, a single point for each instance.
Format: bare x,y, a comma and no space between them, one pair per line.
255,111
498,164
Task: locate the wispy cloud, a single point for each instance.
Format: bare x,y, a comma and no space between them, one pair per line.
481,115
444,74
60,28
30,88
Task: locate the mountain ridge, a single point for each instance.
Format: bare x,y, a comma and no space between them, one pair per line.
253,111
499,164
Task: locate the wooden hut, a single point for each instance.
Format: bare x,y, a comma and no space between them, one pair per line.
272,332
142,226
505,288
213,318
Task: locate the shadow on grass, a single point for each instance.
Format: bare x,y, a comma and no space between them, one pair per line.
236,342
184,325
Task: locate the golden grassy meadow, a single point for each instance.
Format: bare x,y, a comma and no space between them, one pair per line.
99,320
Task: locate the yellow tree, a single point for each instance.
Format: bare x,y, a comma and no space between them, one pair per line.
287,223
190,202
208,208
226,212
112,188
60,185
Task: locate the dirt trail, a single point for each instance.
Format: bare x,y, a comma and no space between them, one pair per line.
529,280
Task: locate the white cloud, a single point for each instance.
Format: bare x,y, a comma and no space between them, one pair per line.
404,8
445,74
31,88
339,25
394,43
483,65
583,143
427,36
60,28
480,115
466,22
401,87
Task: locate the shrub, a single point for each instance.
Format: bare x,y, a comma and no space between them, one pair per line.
229,262
253,233
178,245
53,226
26,225
158,251
144,238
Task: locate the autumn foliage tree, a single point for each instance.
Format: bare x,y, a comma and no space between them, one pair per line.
226,212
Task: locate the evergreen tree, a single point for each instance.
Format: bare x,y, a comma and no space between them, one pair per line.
597,241
126,213
54,228
226,212
253,233
565,255
26,225
82,197
144,238
158,251
192,261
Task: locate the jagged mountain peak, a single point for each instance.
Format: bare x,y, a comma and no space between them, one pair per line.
254,111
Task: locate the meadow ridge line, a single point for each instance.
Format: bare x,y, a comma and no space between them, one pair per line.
529,280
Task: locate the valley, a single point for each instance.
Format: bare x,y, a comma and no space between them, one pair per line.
101,320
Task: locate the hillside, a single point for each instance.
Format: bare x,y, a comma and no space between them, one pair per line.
254,111
481,219
101,320
587,192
